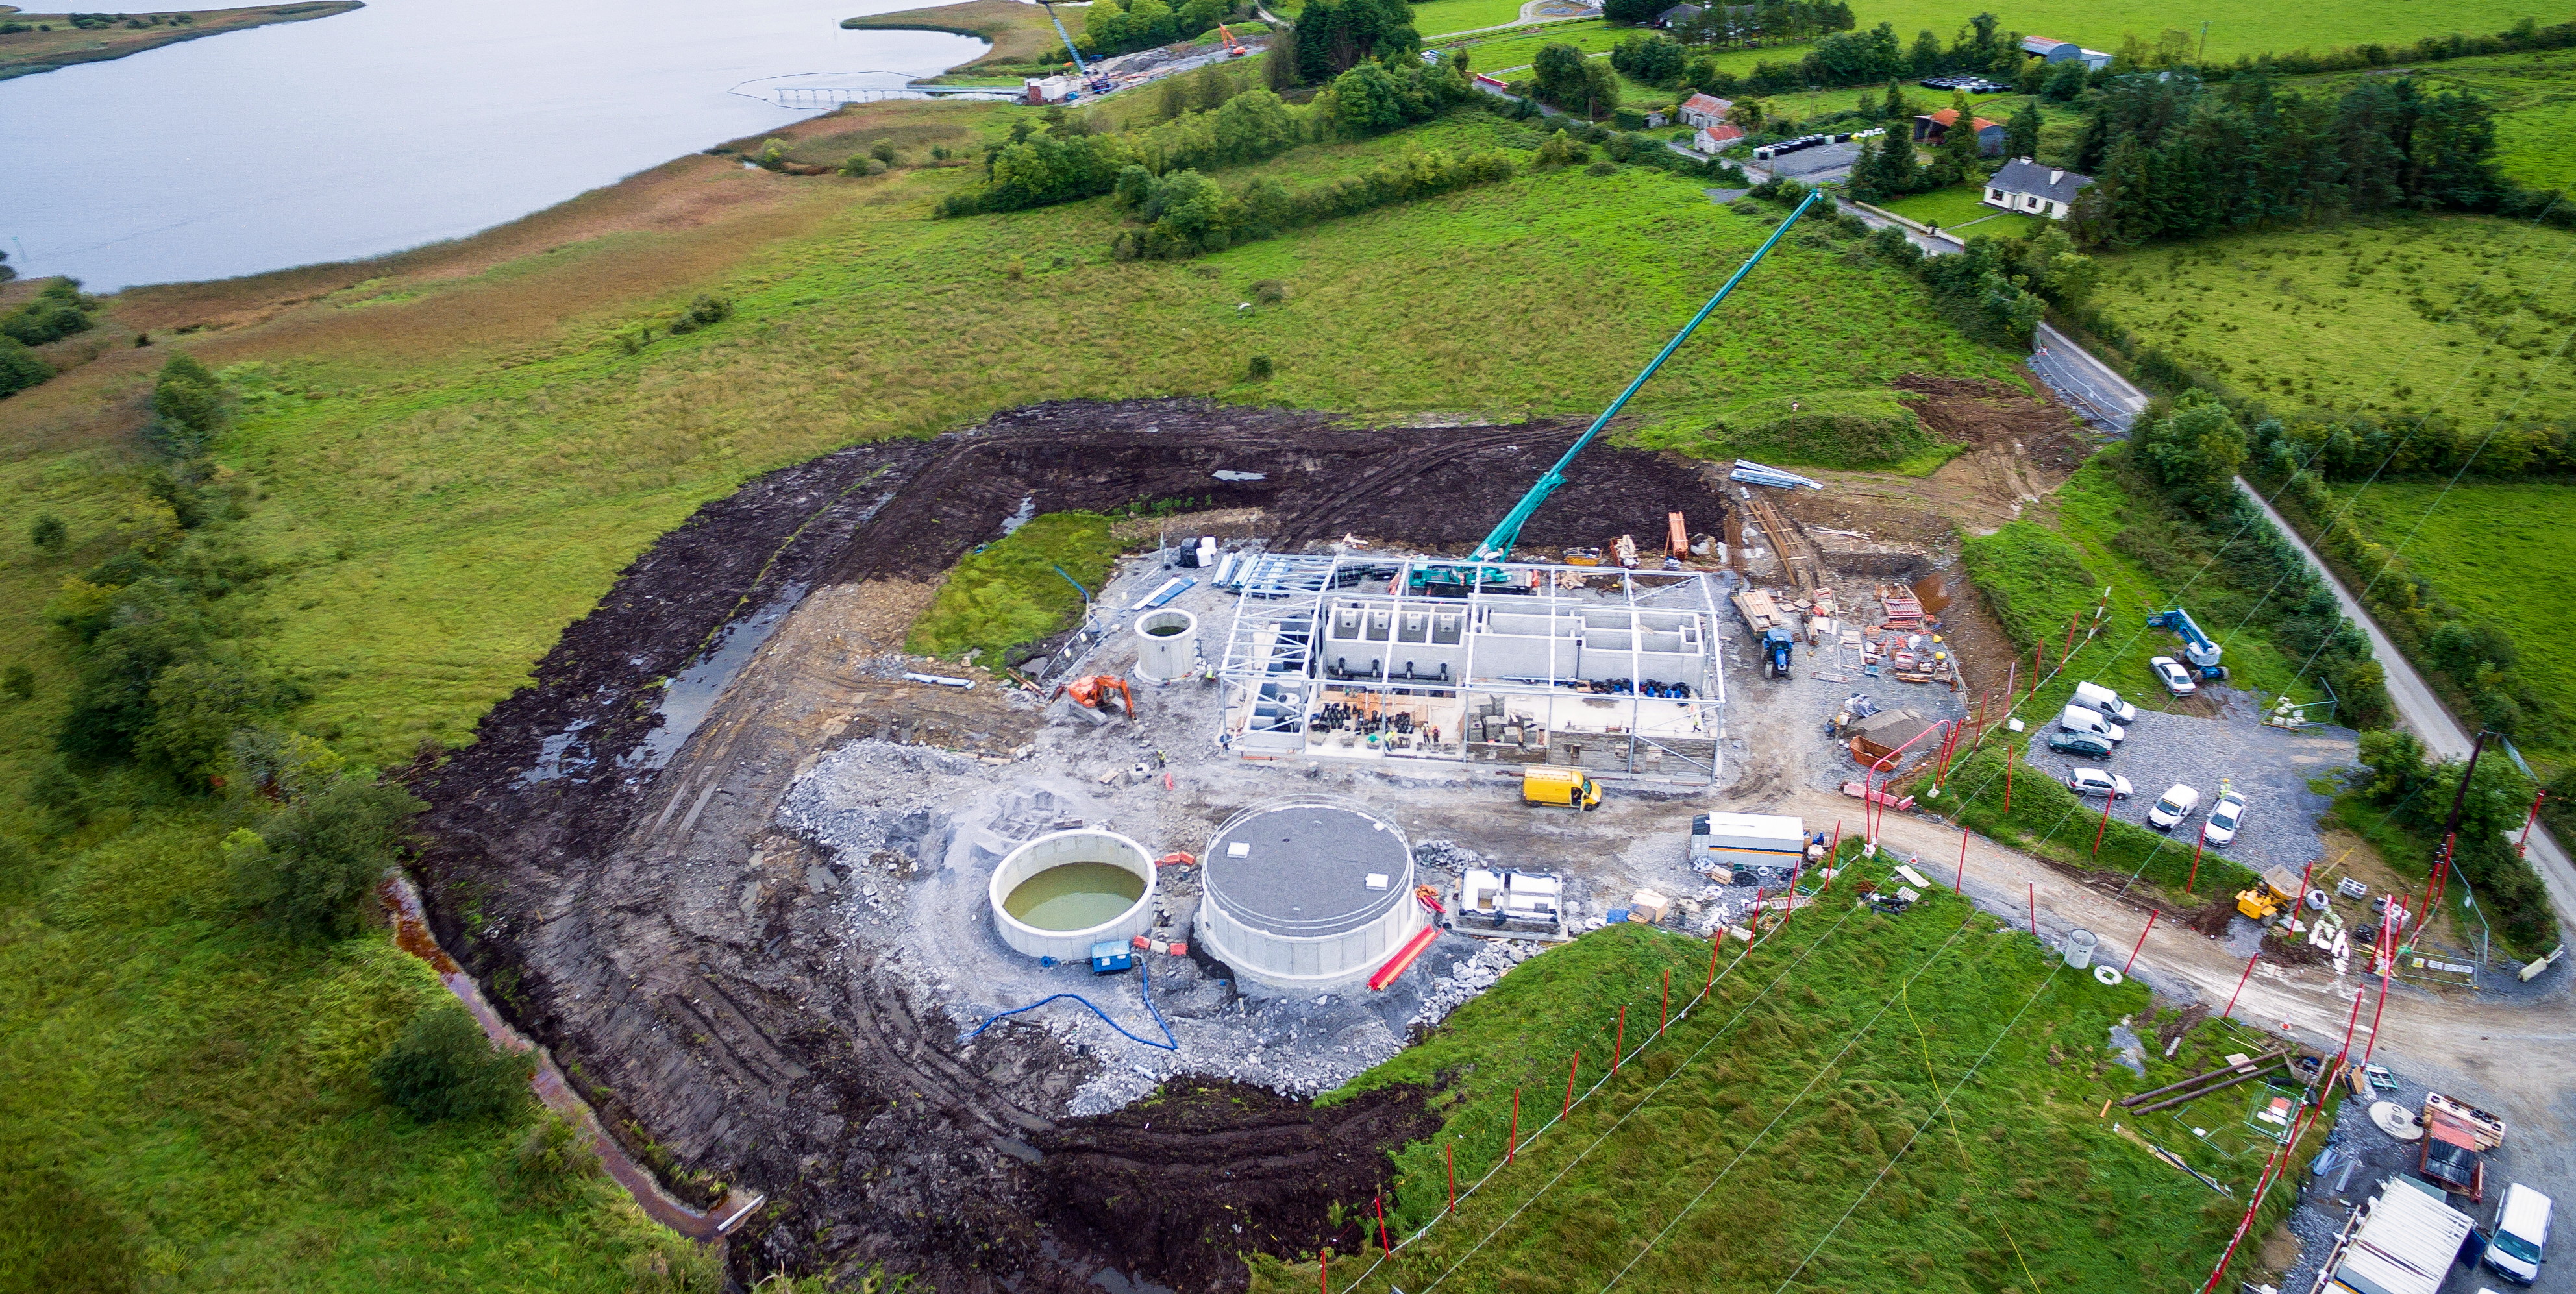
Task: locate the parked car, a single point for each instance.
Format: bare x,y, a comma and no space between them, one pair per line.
2176,679
2094,696
2093,781
2078,719
2090,745
2521,1232
2175,805
2225,818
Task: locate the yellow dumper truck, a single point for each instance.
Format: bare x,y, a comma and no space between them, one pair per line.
1566,786
2275,893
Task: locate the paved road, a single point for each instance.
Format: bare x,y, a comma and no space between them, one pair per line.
2424,713
2085,381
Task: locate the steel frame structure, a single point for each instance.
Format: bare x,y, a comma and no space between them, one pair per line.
1303,622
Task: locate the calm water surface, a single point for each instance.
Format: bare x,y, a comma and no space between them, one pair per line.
402,123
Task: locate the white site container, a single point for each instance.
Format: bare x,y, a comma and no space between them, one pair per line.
1768,845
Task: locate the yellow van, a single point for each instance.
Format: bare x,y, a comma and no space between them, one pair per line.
1566,786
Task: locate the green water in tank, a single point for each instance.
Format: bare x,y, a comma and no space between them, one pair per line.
1074,896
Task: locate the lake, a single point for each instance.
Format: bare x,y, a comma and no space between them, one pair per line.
402,123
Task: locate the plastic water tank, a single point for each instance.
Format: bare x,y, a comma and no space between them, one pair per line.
2079,948
1167,644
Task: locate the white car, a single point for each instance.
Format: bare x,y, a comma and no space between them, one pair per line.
2177,803
2225,818
2170,672
2521,1232
2093,781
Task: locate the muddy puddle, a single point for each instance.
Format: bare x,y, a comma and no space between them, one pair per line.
692,692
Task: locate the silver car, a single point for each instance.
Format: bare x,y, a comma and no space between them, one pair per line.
2225,819
2175,805
2170,672
2093,781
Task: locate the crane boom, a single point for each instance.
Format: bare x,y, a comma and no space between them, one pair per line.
1078,64
1498,545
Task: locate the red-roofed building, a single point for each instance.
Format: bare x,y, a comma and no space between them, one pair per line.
1932,128
1705,110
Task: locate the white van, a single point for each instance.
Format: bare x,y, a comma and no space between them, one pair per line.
2521,1232
2079,719
2094,696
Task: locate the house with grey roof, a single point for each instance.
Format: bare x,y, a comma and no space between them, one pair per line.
2032,189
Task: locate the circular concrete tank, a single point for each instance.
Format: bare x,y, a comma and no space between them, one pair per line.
1061,893
1307,894
1167,644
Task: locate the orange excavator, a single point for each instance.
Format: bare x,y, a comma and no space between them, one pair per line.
1233,48
1092,691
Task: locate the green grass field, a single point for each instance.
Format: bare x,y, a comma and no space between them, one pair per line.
189,1105
1441,17
2489,549
1011,593
1865,1103
1953,206
2363,316
2534,96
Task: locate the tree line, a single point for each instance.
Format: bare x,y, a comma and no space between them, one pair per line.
1185,213
1773,22
2172,157
1065,159
1684,60
1119,26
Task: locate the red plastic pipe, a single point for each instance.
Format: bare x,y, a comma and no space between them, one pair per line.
1403,957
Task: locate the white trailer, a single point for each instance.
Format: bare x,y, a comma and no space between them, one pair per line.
1767,846
2404,1242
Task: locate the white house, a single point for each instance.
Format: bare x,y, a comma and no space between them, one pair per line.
2028,187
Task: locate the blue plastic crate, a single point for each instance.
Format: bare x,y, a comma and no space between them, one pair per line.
1111,955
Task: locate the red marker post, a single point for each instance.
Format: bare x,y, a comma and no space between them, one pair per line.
2142,942
2034,909
1452,1148
1512,1139
2240,983
2105,824
1571,1066
1960,884
1668,1003
2009,752
2194,878
1619,1045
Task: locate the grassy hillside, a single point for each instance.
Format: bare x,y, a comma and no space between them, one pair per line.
2491,550
1866,1103
2424,313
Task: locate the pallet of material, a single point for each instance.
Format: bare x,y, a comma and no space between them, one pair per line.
1904,611
1758,609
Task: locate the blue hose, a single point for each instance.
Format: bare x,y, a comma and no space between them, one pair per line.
1146,978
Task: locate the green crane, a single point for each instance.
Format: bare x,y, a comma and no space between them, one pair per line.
1455,580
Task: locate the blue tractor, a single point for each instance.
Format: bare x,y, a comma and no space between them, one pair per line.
2197,647
1778,645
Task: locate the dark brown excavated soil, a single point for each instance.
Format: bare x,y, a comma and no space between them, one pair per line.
668,946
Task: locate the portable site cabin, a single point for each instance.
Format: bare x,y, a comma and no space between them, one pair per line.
1761,848
2404,1242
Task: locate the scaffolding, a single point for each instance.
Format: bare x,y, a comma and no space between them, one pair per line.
1612,670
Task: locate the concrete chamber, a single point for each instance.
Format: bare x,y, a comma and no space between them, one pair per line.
1167,644
1061,893
1307,894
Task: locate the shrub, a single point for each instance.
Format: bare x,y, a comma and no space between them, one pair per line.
1259,369
442,1067
1269,291
20,367
19,683
187,407
702,312
883,151
552,1163
1602,167
310,864
49,534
